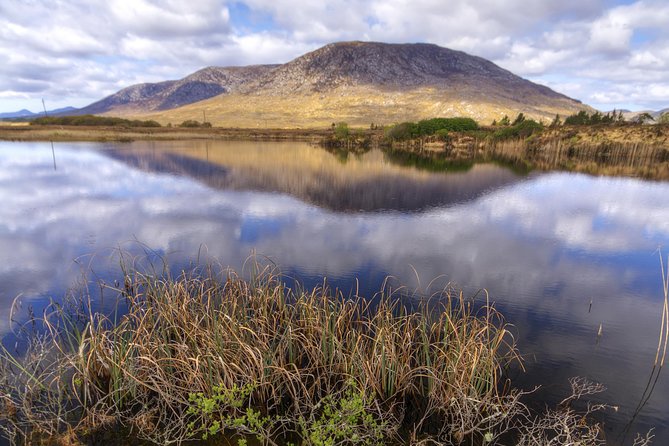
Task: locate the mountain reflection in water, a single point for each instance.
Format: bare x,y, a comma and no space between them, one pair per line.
367,182
544,245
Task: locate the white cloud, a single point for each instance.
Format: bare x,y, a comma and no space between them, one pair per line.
170,19
96,47
610,34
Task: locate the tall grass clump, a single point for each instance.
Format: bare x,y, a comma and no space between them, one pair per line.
206,354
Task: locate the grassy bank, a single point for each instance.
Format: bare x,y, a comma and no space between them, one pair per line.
617,150
126,134
629,150
210,356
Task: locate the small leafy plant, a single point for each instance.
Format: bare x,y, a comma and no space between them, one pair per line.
224,410
343,420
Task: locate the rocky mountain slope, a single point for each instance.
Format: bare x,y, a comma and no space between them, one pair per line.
393,66
356,82
202,84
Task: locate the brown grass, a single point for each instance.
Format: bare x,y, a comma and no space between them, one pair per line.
433,370
357,105
208,353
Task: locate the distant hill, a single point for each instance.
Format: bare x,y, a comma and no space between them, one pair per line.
630,115
356,82
28,114
17,114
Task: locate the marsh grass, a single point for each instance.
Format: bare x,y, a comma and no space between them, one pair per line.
635,151
208,353
644,160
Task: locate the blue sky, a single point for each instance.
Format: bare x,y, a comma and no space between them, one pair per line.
609,54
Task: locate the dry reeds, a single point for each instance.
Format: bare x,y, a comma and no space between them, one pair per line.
192,354
206,354
645,160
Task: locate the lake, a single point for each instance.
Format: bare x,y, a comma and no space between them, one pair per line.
560,254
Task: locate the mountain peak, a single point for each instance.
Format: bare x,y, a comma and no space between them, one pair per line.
358,82
388,65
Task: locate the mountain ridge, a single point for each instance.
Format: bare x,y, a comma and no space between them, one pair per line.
357,82
202,84
25,113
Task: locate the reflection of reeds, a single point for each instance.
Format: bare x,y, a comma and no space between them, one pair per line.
429,371
612,158
664,326
600,152
662,341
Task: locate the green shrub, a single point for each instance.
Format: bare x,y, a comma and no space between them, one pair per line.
427,127
585,118
190,123
521,130
442,134
342,131
403,131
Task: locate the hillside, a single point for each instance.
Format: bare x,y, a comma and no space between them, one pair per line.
363,83
202,84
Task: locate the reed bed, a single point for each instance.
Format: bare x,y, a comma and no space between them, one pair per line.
645,160
209,355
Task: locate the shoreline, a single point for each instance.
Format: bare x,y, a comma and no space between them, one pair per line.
640,151
121,134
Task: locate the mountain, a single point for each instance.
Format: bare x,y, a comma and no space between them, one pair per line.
28,114
356,82
391,66
61,111
17,114
630,115
202,84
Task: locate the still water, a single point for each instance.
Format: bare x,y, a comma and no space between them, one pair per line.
559,253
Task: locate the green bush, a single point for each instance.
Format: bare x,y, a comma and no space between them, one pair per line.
427,127
190,123
521,130
403,131
442,134
342,131
585,118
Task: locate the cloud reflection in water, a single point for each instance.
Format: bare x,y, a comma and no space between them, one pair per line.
543,246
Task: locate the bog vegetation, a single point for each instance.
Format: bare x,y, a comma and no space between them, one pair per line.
208,354
94,121
427,127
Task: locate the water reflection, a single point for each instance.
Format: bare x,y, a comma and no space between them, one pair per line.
544,246
367,182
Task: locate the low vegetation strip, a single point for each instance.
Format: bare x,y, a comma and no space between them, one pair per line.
92,121
210,354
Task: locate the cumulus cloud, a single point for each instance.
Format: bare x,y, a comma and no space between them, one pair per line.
572,42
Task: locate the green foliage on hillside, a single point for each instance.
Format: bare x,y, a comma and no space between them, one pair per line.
191,123
427,127
585,118
522,128
92,120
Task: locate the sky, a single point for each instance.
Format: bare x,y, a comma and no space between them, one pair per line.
606,53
